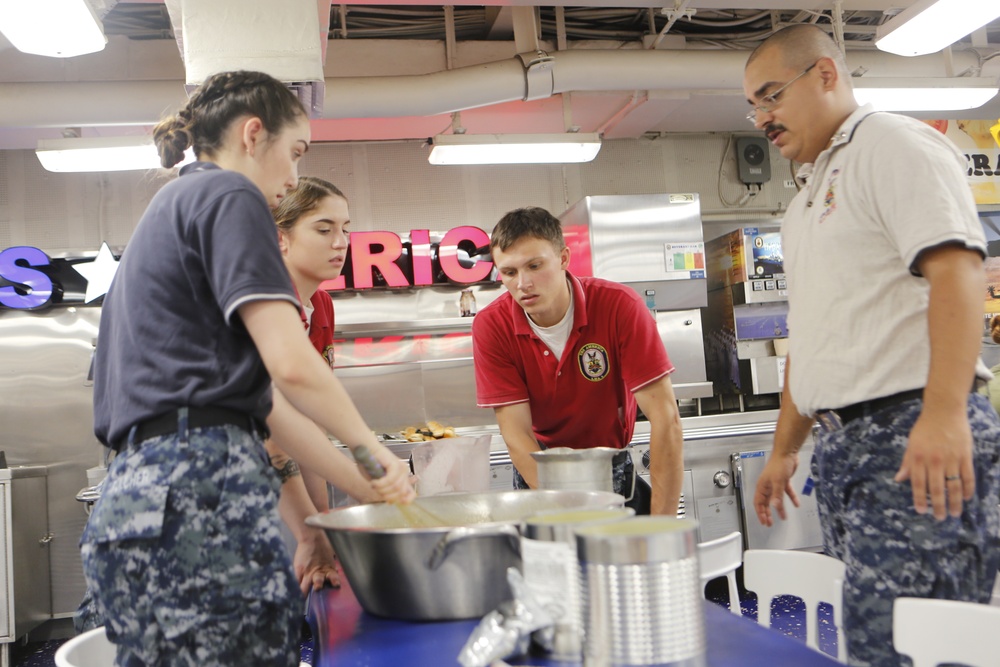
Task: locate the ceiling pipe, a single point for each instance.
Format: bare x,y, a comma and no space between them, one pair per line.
450,42
89,104
680,10
574,71
526,29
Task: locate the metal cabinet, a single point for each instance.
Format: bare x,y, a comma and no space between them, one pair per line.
24,559
723,456
801,530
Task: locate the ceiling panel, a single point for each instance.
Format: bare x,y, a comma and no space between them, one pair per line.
140,75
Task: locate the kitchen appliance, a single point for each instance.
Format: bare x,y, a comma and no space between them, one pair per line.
24,553
46,419
501,469
584,469
723,456
641,593
655,245
745,321
801,530
453,571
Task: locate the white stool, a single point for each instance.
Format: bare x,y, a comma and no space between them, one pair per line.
812,577
92,649
933,632
721,557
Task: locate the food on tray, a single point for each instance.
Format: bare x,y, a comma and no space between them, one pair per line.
431,431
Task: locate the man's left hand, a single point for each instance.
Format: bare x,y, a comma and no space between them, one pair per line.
938,463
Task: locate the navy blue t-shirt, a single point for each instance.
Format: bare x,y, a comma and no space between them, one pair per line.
170,335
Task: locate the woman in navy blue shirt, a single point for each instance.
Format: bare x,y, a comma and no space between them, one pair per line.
182,552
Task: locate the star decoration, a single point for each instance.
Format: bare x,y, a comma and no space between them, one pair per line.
98,273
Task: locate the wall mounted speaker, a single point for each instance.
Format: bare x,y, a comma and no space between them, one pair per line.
753,158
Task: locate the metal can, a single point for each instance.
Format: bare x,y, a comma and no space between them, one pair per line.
552,572
641,593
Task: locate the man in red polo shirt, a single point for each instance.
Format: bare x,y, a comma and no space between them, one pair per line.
563,361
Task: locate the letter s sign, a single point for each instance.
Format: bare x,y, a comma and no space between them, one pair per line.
39,285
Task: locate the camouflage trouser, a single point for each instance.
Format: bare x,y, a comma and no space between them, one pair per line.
891,551
622,475
184,558
88,615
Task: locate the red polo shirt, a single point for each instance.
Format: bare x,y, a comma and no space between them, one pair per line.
584,399
320,326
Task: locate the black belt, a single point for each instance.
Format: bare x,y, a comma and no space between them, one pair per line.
834,419
198,418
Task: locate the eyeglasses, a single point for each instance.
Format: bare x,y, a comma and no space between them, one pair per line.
770,102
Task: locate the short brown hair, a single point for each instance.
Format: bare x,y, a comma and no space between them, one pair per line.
533,222
801,45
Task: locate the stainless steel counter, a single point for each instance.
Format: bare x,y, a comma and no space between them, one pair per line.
705,427
730,424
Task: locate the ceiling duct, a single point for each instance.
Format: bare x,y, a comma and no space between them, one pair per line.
284,39
674,73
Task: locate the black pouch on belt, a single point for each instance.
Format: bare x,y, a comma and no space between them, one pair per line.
642,496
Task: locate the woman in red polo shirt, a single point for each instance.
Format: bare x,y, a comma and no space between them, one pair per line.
313,235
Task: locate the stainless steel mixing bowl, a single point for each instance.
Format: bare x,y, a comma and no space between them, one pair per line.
445,557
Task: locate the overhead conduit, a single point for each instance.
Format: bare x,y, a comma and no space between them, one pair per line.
74,104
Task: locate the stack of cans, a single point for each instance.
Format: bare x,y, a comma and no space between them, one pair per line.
552,572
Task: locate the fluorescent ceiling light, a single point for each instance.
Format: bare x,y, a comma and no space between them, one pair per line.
514,148
101,154
924,94
927,26
57,28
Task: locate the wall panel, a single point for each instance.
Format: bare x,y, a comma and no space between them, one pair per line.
408,193
46,211
392,187
628,167
502,188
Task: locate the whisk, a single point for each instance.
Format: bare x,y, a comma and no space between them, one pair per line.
414,515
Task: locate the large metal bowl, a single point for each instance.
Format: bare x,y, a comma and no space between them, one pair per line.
445,557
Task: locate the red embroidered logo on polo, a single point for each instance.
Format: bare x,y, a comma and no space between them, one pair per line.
830,201
593,361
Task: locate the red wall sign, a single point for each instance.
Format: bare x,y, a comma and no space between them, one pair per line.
30,280
383,259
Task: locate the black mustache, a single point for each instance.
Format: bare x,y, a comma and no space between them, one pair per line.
773,127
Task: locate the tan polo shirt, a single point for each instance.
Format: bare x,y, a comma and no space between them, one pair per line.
888,188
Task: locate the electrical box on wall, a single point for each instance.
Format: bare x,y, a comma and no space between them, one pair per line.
753,158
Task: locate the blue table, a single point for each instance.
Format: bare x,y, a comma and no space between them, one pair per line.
346,636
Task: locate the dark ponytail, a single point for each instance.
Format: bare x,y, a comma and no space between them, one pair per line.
215,104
